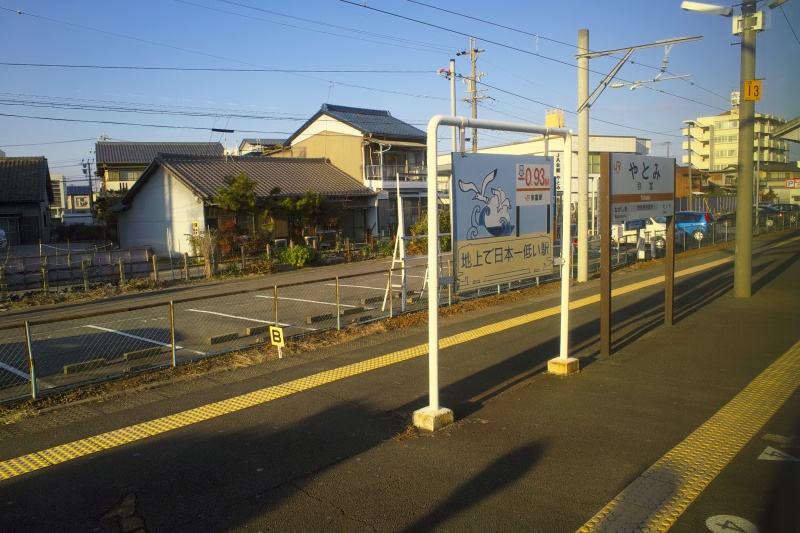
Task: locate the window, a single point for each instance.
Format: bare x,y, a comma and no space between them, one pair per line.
594,163
724,153
726,125
130,175
726,139
112,175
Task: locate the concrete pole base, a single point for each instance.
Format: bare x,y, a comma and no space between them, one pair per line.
432,419
563,367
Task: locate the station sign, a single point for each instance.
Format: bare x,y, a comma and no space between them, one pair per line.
503,210
641,187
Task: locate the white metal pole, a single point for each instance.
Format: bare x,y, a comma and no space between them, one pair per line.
453,129
433,275
433,227
566,248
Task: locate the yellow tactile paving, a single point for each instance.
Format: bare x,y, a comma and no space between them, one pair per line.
28,463
655,500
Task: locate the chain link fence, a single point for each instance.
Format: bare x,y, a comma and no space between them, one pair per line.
42,356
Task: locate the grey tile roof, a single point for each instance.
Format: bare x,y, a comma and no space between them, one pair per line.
205,175
371,122
24,180
143,153
262,142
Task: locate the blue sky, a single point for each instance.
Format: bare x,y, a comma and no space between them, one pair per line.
303,53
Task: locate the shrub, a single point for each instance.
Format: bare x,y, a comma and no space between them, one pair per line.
298,256
261,266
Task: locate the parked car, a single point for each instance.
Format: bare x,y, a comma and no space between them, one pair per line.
768,216
792,211
697,224
655,228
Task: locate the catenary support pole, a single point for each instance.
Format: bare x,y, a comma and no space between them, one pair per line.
583,158
743,260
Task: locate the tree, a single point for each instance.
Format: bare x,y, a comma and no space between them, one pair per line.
238,194
105,215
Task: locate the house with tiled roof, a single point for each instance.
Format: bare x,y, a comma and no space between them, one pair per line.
381,151
255,146
25,196
174,198
119,164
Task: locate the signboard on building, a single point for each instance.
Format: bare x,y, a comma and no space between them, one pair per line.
641,187
503,210
791,184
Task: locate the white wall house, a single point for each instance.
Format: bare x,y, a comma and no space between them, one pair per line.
174,198
167,212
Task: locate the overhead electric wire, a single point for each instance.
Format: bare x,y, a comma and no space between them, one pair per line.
425,47
203,69
527,52
790,25
43,143
539,36
115,123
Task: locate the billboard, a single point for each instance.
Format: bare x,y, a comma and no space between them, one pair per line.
503,209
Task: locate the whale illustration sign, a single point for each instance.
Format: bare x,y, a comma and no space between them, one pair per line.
503,209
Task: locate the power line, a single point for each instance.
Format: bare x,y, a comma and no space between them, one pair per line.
136,124
204,69
43,143
527,52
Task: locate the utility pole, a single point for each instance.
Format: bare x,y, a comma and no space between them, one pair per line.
743,263
472,82
583,157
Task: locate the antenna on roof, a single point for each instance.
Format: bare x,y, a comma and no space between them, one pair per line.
224,133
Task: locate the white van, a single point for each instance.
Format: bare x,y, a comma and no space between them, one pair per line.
655,228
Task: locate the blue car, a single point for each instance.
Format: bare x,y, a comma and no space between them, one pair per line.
697,224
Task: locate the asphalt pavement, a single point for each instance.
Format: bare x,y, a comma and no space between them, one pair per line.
693,427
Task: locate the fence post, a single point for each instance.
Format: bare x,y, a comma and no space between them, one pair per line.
31,362
45,280
85,272
244,260
347,248
269,253
121,272
3,284
172,332
186,265
338,311
155,267
275,302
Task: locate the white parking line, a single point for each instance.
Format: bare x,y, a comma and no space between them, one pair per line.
282,324
122,333
307,301
360,287
15,371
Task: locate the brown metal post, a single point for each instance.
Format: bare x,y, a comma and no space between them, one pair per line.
605,254
45,276
669,266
